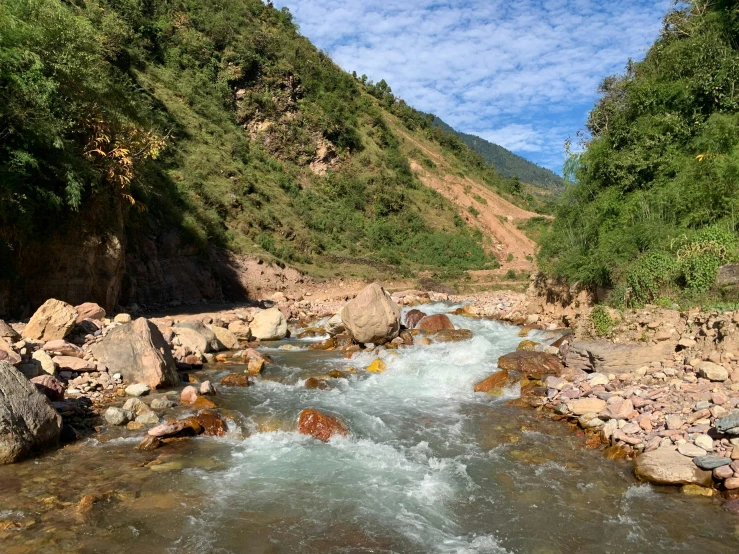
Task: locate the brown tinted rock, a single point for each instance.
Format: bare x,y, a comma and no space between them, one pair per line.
497,380
139,353
452,335
212,423
435,323
667,467
526,346
314,383
189,395
183,427
227,340
252,354
327,344
7,332
53,320
535,364
372,317
50,387
255,366
235,380
149,443
63,348
319,425
202,403
89,310
70,363
8,354
206,388
413,317
28,423
240,330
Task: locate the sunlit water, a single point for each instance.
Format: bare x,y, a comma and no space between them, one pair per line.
430,467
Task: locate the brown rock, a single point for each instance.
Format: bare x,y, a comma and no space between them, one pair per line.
413,317
70,363
8,354
255,366
189,395
53,320
183,427
314,383
50,387
149,443
7,332
252,354
435,323
526,346
534,364
235,380
139,353
319,425
206,388
495,381
64,348
327,344
450,335
89,310
202,403
667,467
212,423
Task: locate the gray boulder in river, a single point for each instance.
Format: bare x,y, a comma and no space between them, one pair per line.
28,422
372,317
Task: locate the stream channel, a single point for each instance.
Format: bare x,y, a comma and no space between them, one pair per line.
430,467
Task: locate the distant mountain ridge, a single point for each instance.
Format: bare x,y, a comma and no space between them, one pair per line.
506,162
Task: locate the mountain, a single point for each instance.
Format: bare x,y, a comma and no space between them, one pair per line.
654,213
506,162
148,149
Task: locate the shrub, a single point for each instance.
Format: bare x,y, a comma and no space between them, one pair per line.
602,321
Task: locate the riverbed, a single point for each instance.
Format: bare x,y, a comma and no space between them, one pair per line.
429,467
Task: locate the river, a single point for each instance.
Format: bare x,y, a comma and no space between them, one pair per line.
430,467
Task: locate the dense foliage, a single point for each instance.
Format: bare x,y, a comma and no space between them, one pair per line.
217,118
654,211
506,162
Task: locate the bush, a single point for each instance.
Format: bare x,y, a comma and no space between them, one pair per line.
602,321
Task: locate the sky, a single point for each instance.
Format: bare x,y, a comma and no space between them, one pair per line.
519,73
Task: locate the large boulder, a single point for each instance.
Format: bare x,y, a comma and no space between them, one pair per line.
436,322
269,325
196,336
668,467
139,353
225,338
335,325
372,317
53,320
28,423
533,364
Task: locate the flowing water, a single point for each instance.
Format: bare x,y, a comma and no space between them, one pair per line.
430,467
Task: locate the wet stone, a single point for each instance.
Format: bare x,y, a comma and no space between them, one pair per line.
711,462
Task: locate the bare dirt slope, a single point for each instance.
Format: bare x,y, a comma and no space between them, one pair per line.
497,216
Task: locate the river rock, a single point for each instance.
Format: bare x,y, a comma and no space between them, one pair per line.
89,310
50,387
226,339
149,443
335,325
435,323
138,389
53,320
139,353
319,425
8,354
690,450
372,317
413,317
712,371
668,467
188,426
207,389
710,461
136,406
235,380
28,422
189,395
377,366
122,319
269,325
723,472
44,360
212,423
526,346
71,363
728,424
704,441
7,332
497,380
147,418
63,348
584,406
162,404
240,330
192,341
118,416
533,364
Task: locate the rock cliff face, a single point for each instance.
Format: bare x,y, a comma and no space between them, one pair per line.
150,270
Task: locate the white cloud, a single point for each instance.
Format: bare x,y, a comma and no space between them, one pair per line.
522,74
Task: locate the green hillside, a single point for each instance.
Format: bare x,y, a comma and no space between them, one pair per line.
506,162
218,119
654,211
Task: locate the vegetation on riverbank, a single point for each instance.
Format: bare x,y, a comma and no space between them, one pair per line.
655,209
218,119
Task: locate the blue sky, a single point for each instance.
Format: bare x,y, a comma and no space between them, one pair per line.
522,74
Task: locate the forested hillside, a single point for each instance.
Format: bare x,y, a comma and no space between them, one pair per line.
655,209
217,119
506,162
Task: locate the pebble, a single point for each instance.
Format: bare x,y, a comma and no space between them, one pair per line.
711,462
705,442
690,450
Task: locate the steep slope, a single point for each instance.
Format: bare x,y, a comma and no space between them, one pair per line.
506,162
653,215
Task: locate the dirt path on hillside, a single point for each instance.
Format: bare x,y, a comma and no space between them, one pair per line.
497,216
